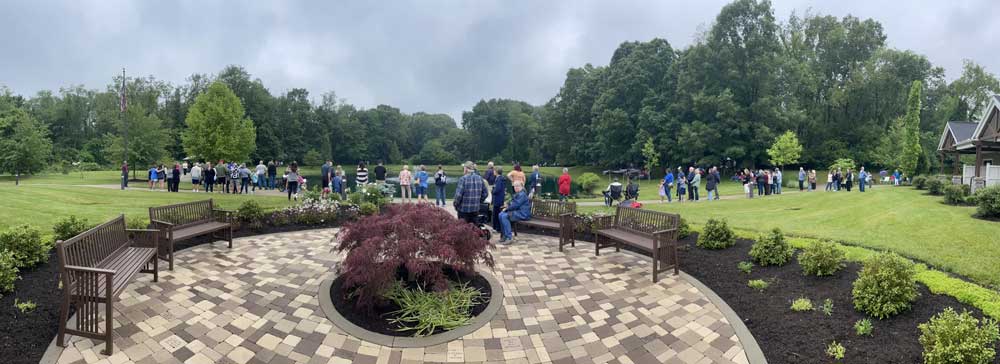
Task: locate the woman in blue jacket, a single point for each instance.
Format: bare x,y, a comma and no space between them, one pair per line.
499,194
518,210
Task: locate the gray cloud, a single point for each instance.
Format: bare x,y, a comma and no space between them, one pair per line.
435,56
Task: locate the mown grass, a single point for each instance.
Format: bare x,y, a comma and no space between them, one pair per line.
901,219
42,206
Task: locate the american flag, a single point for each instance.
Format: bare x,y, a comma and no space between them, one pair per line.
122,102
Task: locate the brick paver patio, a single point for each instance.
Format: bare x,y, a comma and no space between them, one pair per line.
257,303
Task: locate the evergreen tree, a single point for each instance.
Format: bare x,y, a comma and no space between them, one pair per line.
912,151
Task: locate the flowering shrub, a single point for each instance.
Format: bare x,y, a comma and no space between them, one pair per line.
314,212
418,239
380,196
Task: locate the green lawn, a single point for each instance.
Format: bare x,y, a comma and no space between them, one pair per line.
896,218
42,206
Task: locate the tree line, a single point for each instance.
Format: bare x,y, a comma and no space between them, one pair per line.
833,82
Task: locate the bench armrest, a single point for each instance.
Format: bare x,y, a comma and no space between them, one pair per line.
78,268
603,222
667,236
161,223
146,238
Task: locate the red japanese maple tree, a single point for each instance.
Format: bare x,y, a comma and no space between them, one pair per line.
421,238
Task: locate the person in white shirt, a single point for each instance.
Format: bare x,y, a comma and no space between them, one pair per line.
195,177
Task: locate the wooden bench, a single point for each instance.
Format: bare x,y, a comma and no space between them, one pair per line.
96,266
552,215
188,220
650,231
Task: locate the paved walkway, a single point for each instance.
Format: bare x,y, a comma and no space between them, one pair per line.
257,303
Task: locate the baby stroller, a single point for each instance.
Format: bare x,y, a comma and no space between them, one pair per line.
483,220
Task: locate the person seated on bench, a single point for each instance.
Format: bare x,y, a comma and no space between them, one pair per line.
612,193
518,210
632,191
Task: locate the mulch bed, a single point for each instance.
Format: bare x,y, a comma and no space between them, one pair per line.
377,319
786,336
24,337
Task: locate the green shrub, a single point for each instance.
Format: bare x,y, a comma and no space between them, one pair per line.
8,271
802,304
425,312
821,258
827,307
137,222
935,186
252,214
950,337
27,245
771,249
683,229
863,327
758,284
988,202
368,209
716,235
835,350
69,227
920,182
885,286
588,182
745,267
956,194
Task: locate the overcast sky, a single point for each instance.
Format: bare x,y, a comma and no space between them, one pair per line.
434,56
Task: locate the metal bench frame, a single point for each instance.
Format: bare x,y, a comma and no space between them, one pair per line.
553,211
661,230
171,218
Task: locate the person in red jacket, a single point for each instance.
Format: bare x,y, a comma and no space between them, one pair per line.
564,181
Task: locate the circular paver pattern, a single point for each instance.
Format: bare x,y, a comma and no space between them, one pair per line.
257,303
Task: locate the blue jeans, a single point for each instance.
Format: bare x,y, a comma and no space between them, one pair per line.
666,190
861,185
712,195
777,188
505,220
439,197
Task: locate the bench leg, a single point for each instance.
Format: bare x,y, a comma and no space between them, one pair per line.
230,236
656,261
597,245
63,319
109,334
156,268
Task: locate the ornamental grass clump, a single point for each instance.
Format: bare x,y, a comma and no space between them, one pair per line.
418,239
821,258
886,285
426,312
771,249
950,337
716,235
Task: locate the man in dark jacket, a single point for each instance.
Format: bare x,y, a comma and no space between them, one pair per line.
711,184
518,210
499,193
690,178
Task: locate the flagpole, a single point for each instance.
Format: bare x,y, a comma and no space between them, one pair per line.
121,112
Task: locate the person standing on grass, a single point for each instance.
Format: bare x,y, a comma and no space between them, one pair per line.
244,176
802,178
829,180
124,175
177,177
261,175
209,177
469,194
405,178
862,179
564,182
896,176
812,180
272,174
518,210
440,182
195,177
696,184
849,180
712,184
151,176
777,181
689,178
361,176
380,173
748,180
185,167
220,176
682,187
666,185
292,181
498,199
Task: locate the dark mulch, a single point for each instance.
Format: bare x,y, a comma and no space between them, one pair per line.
24,337
786,336
793,337
377,319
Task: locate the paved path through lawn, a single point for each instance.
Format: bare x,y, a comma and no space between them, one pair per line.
257,303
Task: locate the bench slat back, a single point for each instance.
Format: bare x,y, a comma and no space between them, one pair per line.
644,222
183,214
94,245
551,209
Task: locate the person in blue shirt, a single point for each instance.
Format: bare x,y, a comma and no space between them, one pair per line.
534,182
862,179
499,194
666,185
896,176
153,177
518,210
421,187
337,185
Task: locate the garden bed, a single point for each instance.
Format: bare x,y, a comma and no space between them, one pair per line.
802,337
378,319
24,337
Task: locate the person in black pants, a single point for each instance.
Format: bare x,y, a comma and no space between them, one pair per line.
209,176
292,181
